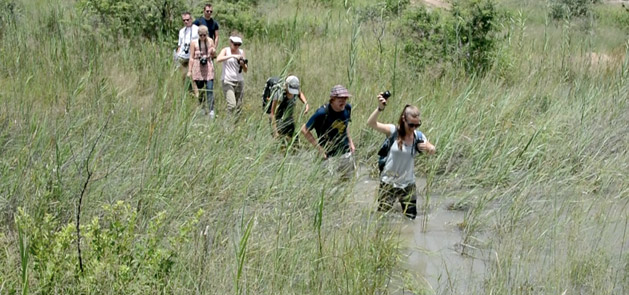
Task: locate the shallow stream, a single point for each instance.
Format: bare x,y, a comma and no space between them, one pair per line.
432,250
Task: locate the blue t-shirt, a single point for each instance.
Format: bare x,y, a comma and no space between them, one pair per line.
211,25
331,128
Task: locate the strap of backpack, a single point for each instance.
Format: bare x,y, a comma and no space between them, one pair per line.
418,138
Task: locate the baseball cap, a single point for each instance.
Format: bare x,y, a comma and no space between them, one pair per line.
339,91
235,39
292,84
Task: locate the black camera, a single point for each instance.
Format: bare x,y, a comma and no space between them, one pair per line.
186,48
203,60
245,61
386,94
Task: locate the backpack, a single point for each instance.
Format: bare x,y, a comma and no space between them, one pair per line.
271,86
383,153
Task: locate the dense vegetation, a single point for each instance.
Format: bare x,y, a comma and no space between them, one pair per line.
526,101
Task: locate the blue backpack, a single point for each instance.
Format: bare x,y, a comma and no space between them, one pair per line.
383,153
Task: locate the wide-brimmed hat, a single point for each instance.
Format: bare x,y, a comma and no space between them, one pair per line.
339,91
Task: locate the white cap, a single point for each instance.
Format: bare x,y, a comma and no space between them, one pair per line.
235,39
292,83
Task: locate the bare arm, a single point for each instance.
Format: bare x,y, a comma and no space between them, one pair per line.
352,148
308,135
427,147
211,48
193,47
302,97
373,118
215,38
223,56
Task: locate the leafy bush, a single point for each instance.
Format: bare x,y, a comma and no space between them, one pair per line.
567,9
133,18
240,16
464,35
118,256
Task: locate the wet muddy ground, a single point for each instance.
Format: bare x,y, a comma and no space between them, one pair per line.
432,250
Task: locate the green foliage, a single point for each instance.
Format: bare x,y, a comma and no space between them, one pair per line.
567,9
9,11
465,35
118,258
133,18
240,16
476,28
612,15
386,9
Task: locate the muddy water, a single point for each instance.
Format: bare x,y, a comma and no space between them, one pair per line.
431,243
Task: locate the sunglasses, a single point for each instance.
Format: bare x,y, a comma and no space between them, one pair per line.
413,125
209,11
186,19
202,35
237,44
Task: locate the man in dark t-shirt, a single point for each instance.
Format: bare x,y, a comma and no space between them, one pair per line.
330,122
209,22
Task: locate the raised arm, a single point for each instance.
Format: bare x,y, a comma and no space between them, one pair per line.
372,121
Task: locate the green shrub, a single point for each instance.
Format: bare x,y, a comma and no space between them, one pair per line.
567,9
118,255
240,16
465,35
133,18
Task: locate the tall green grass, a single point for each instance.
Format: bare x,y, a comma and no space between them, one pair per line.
536,149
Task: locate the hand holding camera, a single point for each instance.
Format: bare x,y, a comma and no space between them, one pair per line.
242,61
382,99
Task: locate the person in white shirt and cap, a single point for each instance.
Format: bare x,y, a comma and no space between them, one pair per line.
283,107
234,65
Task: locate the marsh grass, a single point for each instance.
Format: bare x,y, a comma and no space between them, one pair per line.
537,152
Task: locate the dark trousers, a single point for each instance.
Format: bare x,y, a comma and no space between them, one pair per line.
387,195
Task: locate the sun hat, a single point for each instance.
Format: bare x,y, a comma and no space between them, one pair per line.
292,84
235,39
339,91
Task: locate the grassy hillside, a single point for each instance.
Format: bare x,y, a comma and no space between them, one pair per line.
100,127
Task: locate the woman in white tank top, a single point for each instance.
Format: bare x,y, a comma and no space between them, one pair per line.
234,65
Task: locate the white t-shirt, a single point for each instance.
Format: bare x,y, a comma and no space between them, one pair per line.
186,36
399,168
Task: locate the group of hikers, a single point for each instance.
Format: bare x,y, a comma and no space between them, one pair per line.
196,52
